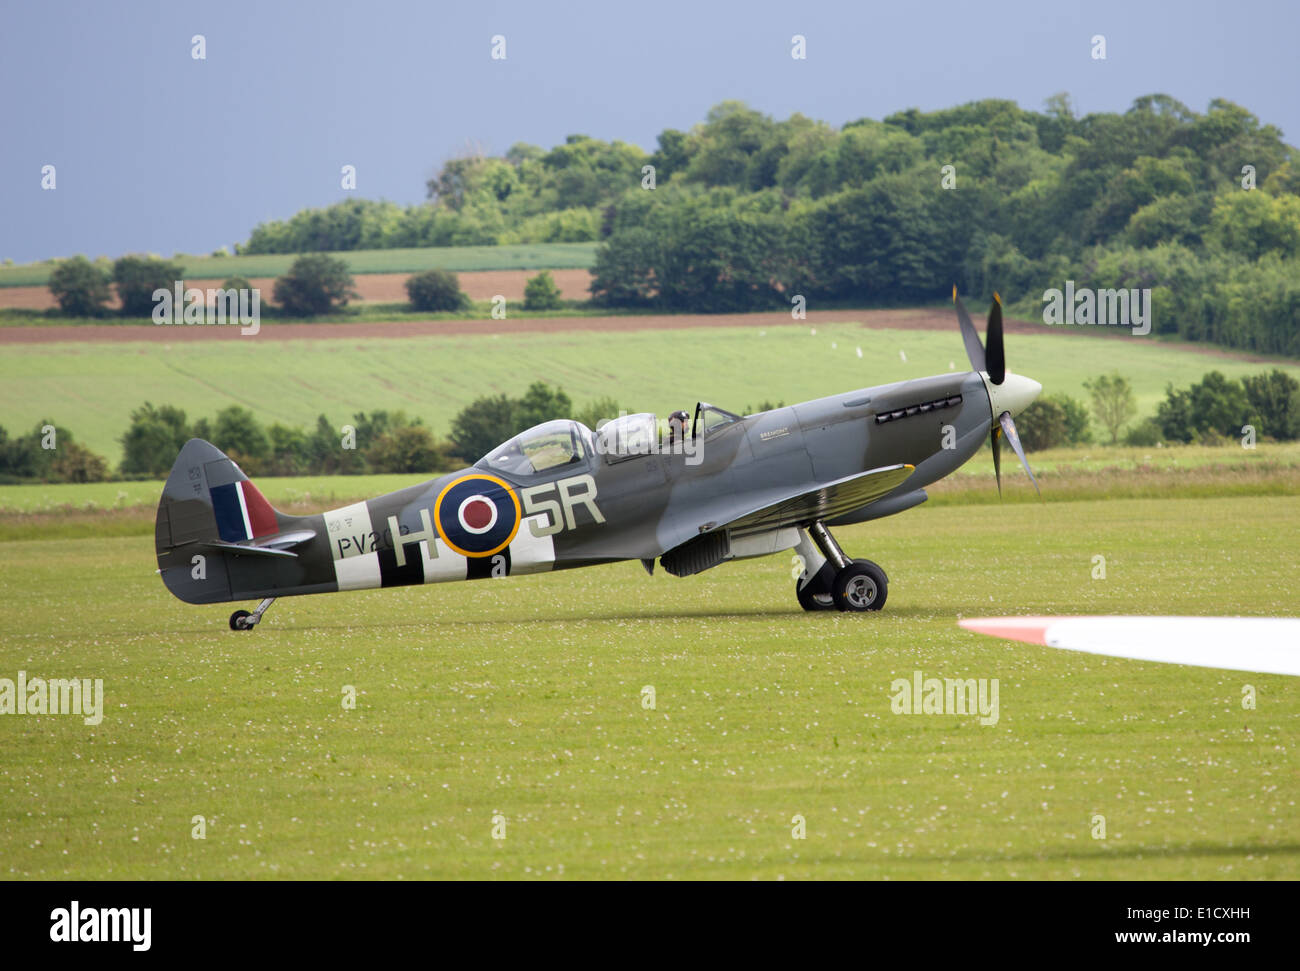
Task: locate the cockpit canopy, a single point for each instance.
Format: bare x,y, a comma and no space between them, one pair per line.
542,449
709,417
628,435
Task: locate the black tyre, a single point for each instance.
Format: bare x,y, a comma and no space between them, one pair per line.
813,596
238,620
860,586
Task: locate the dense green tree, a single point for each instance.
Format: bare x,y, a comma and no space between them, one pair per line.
73,462
482,425
435,290
1250,224
540,403
1214,407
138,277
289,451
541,292
331,449
490,420
153,440
1275,397
238,433
1145,433
80,287
749,209
408,449
48,453
315,284
624,274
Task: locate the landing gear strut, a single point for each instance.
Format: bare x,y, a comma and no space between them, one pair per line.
835,581
243,620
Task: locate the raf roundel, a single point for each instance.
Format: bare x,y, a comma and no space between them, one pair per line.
478,515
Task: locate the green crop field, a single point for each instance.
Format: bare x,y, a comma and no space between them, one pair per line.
518,708
460,259
91,388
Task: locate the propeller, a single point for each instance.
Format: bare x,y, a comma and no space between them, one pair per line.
991,359
1006,425
974,349
995,354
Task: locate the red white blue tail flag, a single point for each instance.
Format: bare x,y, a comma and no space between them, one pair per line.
242,512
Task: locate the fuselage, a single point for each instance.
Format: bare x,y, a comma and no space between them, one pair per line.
602,500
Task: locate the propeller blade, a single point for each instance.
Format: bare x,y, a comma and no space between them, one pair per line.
995,353
1009,426
997,457
974,349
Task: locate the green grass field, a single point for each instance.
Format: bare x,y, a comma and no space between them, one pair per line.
461,259
91,388
522,699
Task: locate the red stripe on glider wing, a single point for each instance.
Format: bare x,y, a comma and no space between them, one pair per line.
1031,630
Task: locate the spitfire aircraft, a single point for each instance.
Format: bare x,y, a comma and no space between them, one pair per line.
692,493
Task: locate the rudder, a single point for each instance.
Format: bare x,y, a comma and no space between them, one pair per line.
207,498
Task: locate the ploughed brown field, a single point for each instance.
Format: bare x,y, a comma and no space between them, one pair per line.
373,287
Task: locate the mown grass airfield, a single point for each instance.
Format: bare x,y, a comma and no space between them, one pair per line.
603,723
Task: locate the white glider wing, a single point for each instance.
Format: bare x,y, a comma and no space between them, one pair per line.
1267,645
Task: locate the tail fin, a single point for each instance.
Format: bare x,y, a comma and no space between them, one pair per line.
208,503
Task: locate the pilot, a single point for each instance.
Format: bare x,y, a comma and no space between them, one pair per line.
677,427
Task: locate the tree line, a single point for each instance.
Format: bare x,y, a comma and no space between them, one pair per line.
315,284
375,442
743,211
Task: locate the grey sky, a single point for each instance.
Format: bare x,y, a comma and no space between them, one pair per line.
158,152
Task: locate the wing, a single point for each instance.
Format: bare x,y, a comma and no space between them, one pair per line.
1269,645
825,502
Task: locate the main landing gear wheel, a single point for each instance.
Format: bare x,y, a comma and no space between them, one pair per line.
814,596
855,585
860,586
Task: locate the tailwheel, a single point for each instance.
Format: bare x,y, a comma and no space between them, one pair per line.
860,586
243,620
